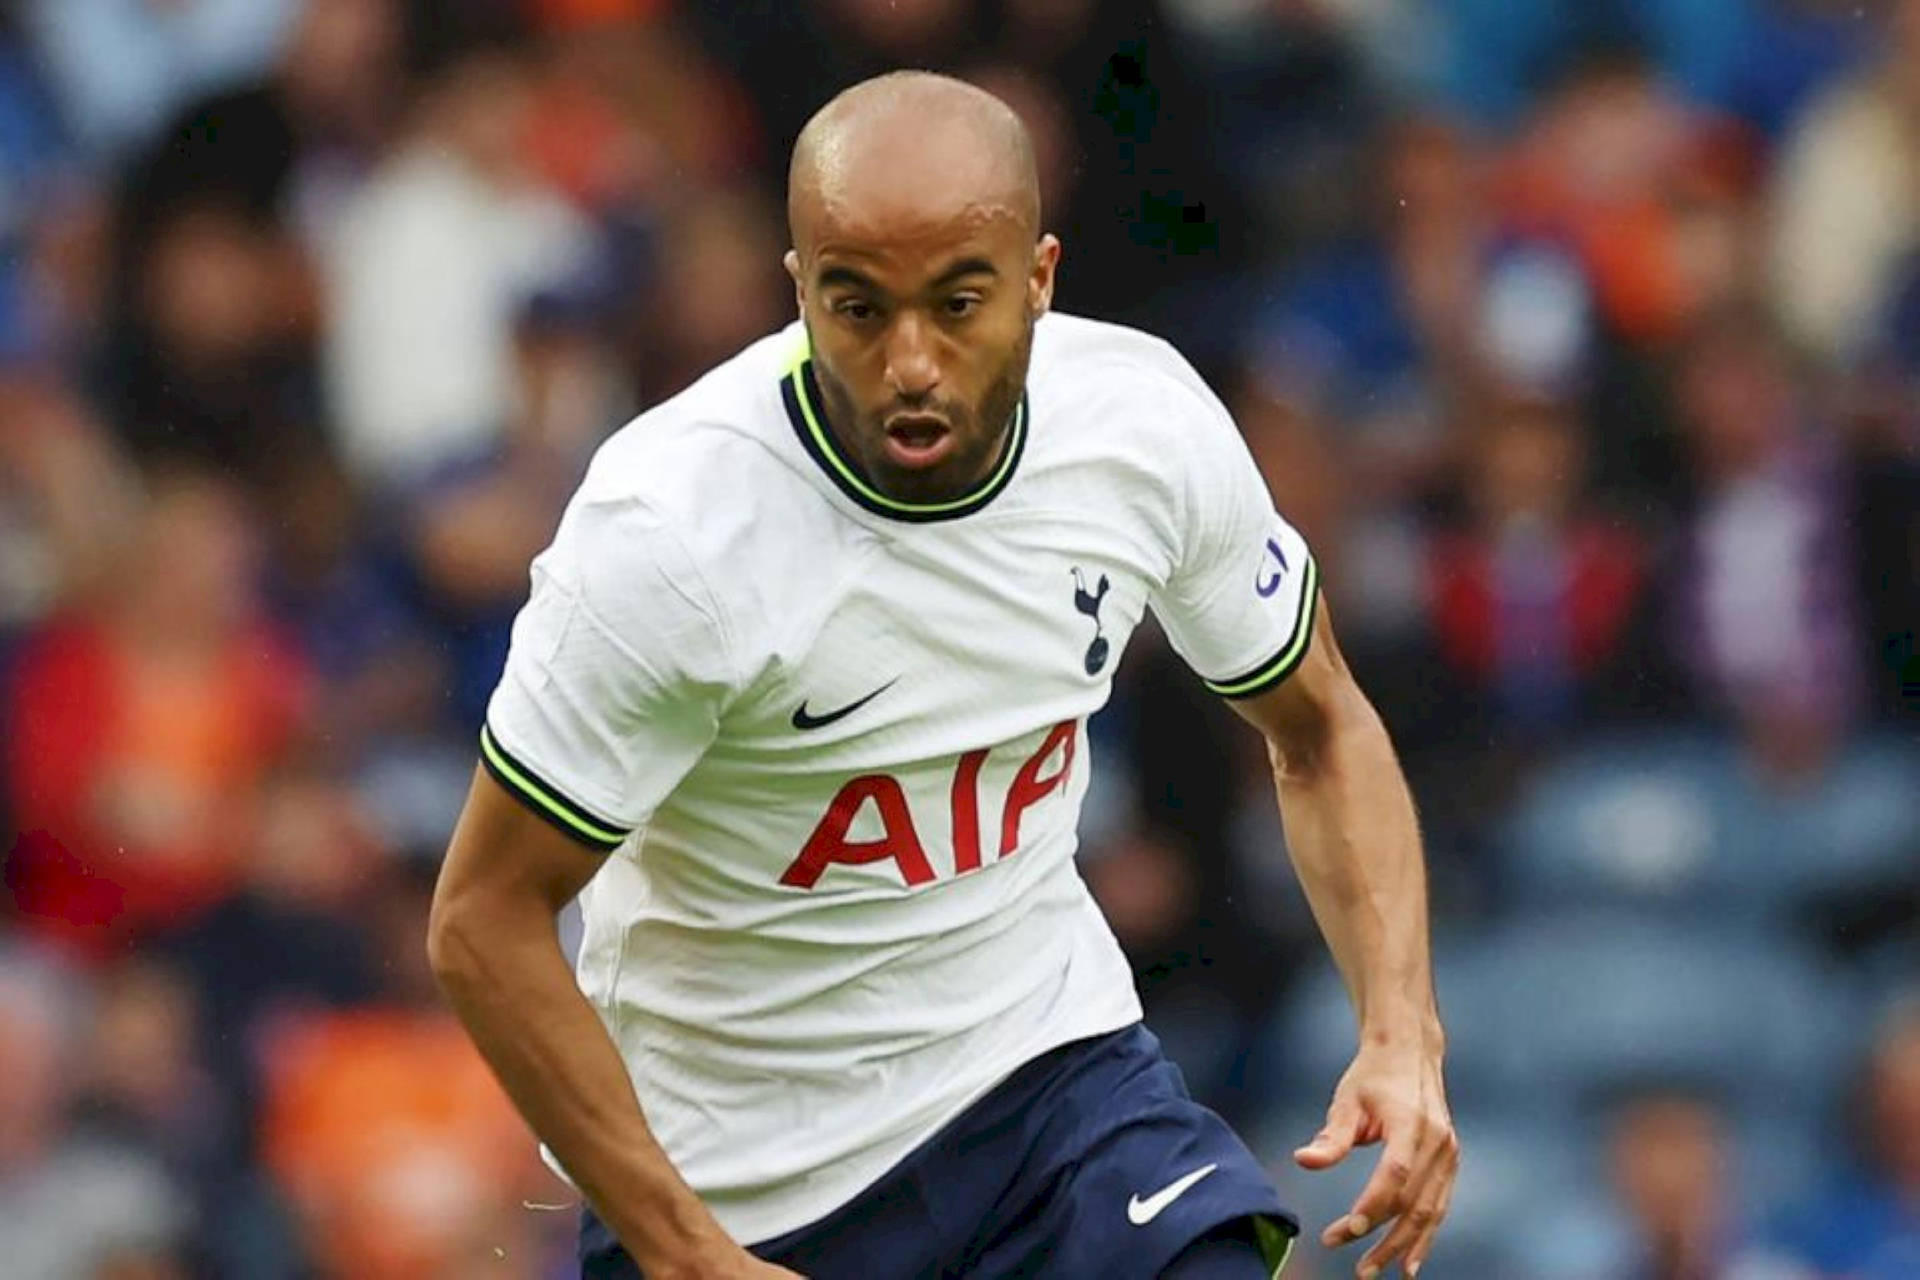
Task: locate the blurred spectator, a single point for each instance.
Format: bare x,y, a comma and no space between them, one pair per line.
1374,331
143,725
1642,185
401,1154
67,1202
289,147
1793,48
120,67
141,1263
472,527
1847,198
210,363
1159,229
1532,600
1886,518
286,942
1289,108
54,276
1669,1160
29,133
1156,229
1868,1227
903,33
429,267
1146,891
29,158
65,502
845,40
719,287
143,1082
1495,57
1374,345
337,582
212,353
629,110
1764,615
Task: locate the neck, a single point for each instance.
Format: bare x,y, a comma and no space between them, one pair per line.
932,486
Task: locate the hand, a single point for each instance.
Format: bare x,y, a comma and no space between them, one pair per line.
1396,1096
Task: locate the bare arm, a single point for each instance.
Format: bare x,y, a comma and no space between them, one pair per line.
1355,842
495,948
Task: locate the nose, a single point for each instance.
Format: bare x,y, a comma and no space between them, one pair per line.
913,368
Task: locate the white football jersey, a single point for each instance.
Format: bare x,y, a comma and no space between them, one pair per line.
837,743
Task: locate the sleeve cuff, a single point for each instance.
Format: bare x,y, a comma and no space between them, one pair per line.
1270,674
546,801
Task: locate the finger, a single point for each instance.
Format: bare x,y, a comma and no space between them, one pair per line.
1417,1255
1386,1191
1412,1236
1416,1224
1331,1145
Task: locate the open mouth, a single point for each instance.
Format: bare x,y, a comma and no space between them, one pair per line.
918,441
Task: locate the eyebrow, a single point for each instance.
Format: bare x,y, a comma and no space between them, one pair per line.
849,276
964,268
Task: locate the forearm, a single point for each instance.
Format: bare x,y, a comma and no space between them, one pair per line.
1355,843
511,986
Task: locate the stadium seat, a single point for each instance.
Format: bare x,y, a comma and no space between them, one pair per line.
1310,1040
1649,821
1857,831
1681,825
1554,1011
1587,1003
1890,970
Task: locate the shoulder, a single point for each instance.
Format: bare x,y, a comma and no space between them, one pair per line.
1127,372
703,463
1109,390
1077,349
687,492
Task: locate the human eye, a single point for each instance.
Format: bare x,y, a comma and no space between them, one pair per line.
961,305
857,310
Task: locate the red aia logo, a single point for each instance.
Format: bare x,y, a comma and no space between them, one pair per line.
900,841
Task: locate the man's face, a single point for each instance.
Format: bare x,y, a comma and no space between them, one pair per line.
921,328
1669,1163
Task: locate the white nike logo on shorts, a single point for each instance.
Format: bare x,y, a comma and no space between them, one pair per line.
1141,1212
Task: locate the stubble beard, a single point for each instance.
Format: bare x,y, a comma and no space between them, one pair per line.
976,453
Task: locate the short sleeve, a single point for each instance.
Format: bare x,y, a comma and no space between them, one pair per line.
1239,602
615,679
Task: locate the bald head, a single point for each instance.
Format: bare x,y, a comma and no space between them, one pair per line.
910,148
920,274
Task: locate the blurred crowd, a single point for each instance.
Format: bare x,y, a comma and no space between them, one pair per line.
1582,341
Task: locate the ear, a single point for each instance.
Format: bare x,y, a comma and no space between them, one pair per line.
1046,259
792,263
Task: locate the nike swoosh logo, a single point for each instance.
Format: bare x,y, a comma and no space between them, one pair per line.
1141,1212
804,719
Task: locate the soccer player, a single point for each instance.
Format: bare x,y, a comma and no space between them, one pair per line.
797,707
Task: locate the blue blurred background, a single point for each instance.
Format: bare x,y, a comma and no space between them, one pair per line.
1583,342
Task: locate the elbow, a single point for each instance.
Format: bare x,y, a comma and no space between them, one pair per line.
1313,743
451,951
1301,751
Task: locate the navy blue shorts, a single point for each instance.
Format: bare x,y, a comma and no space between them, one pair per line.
1091,1160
